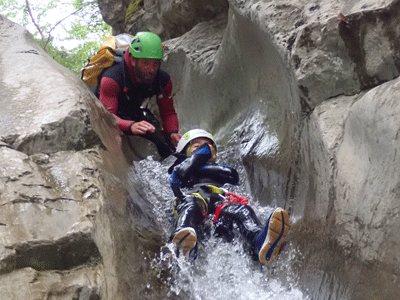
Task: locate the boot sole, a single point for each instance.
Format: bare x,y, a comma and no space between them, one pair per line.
185,239
277,231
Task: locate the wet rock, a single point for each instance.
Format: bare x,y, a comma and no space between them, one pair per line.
28,283
348,151
305,92
59,149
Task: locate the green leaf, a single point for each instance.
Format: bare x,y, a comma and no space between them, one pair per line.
61,22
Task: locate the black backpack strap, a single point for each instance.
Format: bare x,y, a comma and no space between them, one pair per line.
124,83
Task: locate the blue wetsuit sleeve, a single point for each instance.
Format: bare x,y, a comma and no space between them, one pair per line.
175,184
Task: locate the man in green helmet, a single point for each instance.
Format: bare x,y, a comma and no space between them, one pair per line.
126,85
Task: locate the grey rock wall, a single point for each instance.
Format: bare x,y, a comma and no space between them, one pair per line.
60,150
169,19
49,192
349,198
309,99
334,163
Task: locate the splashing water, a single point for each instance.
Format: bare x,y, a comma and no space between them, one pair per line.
222,270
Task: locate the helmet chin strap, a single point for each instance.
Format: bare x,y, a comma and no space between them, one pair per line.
189,147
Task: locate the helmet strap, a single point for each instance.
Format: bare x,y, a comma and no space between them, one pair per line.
189,147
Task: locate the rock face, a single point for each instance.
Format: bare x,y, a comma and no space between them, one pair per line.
49,190
169,19
309,92
59,151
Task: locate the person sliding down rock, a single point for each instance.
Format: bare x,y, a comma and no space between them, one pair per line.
196,170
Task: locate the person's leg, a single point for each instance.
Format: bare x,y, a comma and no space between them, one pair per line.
266,241
190,213
163,147
243,216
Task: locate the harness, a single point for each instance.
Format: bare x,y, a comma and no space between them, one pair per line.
217,198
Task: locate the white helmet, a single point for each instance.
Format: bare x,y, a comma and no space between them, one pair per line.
191,135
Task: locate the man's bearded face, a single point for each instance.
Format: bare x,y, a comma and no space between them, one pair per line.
146,69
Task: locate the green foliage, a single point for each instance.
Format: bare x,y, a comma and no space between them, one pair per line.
14,10
10,14
81,25
76,58
132,9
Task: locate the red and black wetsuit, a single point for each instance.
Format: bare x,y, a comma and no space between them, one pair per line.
122,94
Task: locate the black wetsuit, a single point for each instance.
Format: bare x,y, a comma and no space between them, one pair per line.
204,196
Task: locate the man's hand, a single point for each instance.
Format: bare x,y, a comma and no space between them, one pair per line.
175,137
142,127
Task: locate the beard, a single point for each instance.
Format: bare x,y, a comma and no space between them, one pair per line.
145,77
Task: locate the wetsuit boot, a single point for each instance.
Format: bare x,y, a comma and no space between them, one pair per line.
270,239
191,212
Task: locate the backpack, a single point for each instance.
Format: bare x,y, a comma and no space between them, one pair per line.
111,51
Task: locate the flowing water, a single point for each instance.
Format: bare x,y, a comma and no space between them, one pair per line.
222,270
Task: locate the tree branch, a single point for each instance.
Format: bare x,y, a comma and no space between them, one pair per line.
71,14
44,40
37,26
59,22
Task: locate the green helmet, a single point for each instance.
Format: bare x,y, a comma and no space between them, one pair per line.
146,45
190,136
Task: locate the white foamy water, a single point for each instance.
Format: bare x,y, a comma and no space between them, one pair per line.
222,271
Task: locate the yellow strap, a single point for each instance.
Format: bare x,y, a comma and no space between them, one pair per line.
198,195
174,205
177,201
215,189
